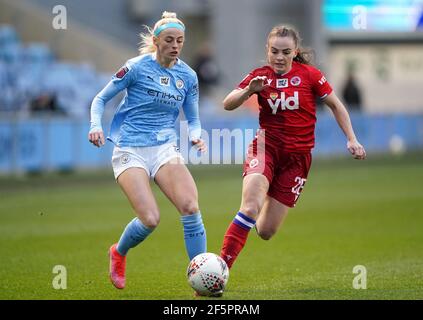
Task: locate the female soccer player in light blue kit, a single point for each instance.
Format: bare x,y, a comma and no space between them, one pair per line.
158,84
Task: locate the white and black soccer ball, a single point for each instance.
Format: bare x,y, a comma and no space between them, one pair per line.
208,274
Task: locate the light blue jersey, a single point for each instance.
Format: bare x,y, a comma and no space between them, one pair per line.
154,95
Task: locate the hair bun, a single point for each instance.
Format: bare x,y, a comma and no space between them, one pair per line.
167,15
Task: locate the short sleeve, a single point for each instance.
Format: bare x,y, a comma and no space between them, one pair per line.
320,85
246,81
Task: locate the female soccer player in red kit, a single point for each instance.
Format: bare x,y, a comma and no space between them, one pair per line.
279,158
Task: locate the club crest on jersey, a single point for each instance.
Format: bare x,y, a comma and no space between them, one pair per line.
282,83
254,163
179,84
122,71
295,81
164,81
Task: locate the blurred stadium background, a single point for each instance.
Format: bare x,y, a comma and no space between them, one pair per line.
370,49
49,77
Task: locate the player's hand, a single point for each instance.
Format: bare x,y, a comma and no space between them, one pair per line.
200,145
257,84
356,149
96,137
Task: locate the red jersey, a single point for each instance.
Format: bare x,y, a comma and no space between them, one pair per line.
288,106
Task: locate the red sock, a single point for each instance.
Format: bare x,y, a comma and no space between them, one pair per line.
233,242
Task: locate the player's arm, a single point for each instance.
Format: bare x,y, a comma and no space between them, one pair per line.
120,81
238,96
344,122
191,113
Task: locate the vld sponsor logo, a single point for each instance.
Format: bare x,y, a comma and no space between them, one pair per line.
290,103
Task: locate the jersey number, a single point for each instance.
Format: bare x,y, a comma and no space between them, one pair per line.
298,187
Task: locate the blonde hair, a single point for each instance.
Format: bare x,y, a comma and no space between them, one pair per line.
147,44
304,56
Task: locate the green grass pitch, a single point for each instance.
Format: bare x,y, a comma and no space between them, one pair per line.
351,213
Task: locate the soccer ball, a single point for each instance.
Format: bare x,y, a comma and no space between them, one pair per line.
208,274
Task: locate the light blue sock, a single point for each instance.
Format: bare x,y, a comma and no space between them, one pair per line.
134,233
194,234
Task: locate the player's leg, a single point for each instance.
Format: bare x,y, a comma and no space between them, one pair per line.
284,191
258,171
176,182
135,184
271,217
254,192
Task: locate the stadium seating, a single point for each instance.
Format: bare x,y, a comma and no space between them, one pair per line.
28,70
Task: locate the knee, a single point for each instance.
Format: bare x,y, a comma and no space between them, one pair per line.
151,221
265,234
188,207
149,218
250,209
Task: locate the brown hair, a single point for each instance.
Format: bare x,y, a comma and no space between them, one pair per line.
147,45
305,55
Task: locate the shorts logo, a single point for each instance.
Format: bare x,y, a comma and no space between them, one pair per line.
179,84
164,81
254,163
282,83
295,81
125,158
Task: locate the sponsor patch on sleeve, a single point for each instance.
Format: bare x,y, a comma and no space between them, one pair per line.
122,71
194,90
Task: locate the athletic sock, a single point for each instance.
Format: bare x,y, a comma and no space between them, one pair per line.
134,233
194,234
236,237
